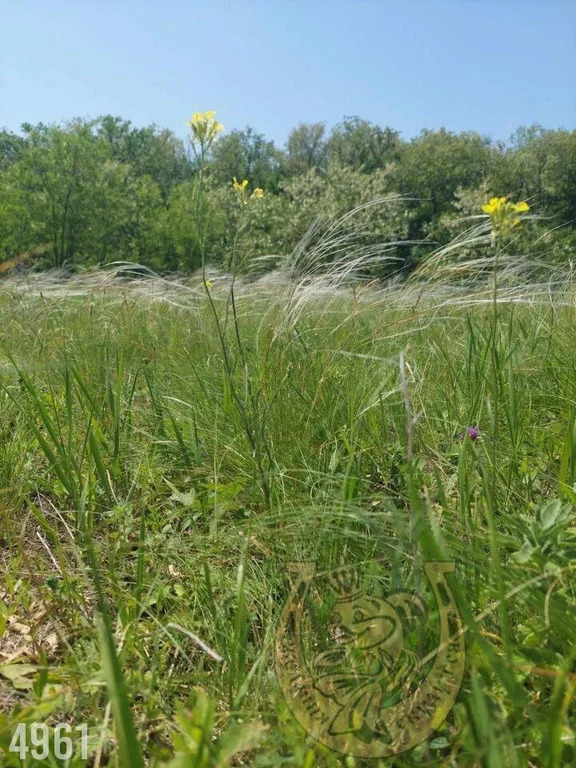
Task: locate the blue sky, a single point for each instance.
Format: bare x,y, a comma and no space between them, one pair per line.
411,64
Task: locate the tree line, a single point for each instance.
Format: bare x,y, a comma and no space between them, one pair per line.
90,192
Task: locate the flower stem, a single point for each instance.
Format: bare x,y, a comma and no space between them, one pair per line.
492,488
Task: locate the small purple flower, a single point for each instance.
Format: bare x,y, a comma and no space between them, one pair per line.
473,433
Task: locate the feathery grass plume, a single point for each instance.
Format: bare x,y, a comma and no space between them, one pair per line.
329,260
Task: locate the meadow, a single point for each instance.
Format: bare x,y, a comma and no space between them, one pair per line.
169,446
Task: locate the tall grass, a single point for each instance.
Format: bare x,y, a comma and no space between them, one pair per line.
326,423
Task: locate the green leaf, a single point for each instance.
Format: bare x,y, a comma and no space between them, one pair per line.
17,674
3,618
239,738
550,513
524,554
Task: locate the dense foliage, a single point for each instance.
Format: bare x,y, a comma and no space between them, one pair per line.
161,470
102,190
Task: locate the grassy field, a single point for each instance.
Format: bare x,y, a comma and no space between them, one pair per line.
167,451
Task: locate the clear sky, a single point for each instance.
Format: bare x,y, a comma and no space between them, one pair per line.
484,65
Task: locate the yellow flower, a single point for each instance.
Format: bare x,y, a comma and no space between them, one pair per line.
208,283
495,205
504,214
205,128
239,186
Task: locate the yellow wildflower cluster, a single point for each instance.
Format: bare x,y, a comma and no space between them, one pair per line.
205,128
505,215
240,189
239,186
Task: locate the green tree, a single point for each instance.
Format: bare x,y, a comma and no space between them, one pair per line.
126,220
245,155
279,222
67,191
46,194
539,165
180,233
306,149
11,147
361,145
432,167
150,151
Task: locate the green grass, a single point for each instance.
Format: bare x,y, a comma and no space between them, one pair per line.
155,483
